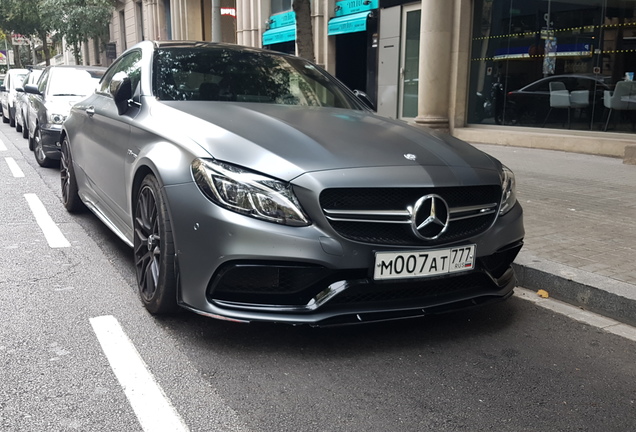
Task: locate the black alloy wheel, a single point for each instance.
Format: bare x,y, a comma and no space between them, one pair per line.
154,249
40,157
70,196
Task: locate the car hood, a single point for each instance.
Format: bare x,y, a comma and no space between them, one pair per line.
287,141
62,104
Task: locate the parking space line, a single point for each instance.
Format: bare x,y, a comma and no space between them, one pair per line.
13,166
153,409
2,146
608,324
53,235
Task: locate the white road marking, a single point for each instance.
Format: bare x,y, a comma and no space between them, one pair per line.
53,235
2,146
13,166
578,314
153,409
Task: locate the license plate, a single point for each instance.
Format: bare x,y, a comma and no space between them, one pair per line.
416,264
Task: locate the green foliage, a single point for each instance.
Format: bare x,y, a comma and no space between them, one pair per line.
79,20
22,17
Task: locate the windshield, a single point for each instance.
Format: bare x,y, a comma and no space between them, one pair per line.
18,79
222,74
73,82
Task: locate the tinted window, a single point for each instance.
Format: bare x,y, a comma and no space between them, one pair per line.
588,45
244,76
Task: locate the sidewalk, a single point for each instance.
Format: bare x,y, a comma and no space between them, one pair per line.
580,220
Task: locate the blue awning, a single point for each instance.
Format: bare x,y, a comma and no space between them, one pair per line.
356,22
279,35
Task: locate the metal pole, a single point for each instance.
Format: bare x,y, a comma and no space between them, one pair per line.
6,49
217,35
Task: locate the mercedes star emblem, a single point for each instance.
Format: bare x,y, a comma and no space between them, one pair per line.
430,217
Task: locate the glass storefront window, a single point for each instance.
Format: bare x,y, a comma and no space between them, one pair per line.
411,62
565,64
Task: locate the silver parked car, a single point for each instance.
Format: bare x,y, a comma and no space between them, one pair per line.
50,101
22,102
253,186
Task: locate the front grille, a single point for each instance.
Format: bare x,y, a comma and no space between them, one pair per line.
383,215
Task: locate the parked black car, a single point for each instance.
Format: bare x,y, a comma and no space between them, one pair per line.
50,101
530,104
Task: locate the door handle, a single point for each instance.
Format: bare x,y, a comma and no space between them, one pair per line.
90,111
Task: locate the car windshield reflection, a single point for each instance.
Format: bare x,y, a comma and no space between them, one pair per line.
230,75
73,83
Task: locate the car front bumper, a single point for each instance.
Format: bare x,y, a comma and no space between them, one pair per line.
238,268
50,136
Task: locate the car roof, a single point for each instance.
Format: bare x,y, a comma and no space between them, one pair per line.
14,71
157,44
80,67
603,79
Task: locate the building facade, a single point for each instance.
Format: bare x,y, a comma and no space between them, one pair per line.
536,73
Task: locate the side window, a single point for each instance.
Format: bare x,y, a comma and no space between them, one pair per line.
131,66
543,86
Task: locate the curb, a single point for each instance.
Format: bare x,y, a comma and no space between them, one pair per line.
589,291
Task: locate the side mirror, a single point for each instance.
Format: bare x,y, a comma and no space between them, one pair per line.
19,89
32,89
3,89
121,90
364,98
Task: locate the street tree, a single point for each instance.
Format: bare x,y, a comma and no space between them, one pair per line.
78,21
304,29
25,18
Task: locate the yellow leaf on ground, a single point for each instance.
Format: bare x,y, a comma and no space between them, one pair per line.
543,293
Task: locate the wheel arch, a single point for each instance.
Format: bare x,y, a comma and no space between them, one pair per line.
141,172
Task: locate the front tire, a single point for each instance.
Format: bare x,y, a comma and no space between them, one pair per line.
70,197
40,157
154,249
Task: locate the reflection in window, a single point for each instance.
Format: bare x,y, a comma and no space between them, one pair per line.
244,76
522,50
73,82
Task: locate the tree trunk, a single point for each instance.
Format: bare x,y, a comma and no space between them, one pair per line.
45,48
304,29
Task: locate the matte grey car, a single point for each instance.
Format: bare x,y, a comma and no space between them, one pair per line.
253,186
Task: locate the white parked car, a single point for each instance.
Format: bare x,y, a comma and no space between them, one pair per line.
12,80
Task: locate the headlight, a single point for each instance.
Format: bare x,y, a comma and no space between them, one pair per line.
248,193
56,118
508,186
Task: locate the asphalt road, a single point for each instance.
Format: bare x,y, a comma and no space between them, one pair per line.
513,366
